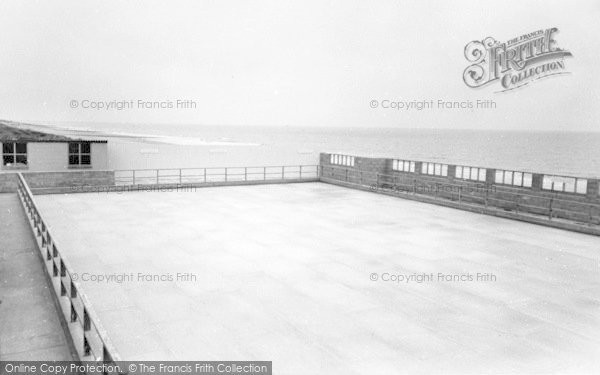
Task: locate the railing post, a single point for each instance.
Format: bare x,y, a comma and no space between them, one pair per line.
414,186
86,347
377,179
245,173
73,313
180,176
550,209
264,173
361,177
37,224
346,174
517,202
157,177
86,320
63,269
225,174
590,218
487,192
204,175
106,357
283,172
300,172
133,177
459,194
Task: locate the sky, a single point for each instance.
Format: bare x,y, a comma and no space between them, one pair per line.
288,63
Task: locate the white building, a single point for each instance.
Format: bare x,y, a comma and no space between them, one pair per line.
28,150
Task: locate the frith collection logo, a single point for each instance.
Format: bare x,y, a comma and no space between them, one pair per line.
516,62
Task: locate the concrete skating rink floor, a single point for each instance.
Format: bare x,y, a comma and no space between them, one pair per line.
285,273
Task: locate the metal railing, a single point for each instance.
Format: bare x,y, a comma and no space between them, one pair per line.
212,175
89,337
545,204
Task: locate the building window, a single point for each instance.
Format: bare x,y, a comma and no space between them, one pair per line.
434,169
80,153
521,179
346,160
565,184
470,173
403,166
14,154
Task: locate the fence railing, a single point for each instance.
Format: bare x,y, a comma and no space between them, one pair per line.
89,338
212,175
522,202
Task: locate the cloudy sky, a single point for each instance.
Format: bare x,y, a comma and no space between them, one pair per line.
317,63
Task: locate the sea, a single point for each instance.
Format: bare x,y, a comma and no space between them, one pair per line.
154,146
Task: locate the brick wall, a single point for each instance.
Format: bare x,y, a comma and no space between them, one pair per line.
378,165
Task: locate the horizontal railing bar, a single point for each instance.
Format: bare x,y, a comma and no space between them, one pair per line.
213,168
154,176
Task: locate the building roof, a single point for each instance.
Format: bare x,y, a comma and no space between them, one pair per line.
332,286
19,132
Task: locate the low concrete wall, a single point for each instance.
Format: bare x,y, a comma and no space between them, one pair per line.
377,174
89,338
37,180
162,187
8,182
